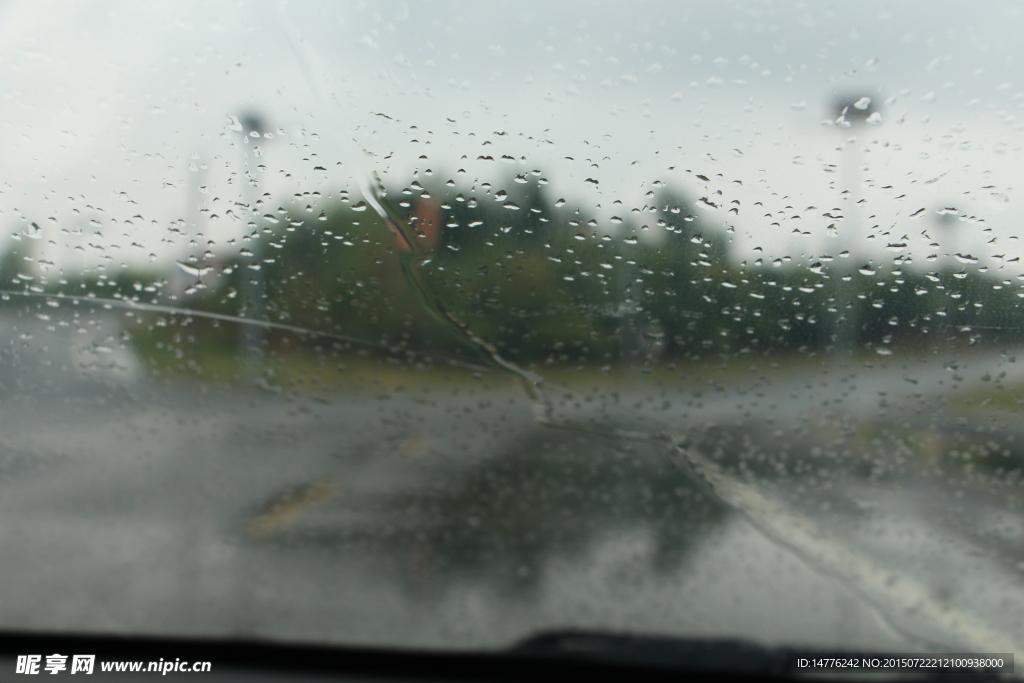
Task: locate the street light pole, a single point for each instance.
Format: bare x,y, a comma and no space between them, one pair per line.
253,281
851,113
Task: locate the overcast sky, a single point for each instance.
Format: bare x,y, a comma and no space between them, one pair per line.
115,116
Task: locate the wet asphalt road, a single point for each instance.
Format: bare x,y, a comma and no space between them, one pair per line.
452,517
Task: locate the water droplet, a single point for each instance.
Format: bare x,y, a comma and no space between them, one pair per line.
866,270
862,104
359,206
965,258
194,271
875,119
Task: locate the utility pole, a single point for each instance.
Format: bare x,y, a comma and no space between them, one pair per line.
945,272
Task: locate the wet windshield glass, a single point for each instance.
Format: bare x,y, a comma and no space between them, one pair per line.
444,324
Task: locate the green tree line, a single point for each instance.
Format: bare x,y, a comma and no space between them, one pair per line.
546,281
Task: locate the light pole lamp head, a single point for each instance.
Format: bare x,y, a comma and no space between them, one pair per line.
252,122
850,110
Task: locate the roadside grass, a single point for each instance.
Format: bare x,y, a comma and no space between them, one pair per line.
321,373
1001,397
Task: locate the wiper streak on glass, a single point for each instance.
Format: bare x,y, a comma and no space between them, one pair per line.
129,305
410,255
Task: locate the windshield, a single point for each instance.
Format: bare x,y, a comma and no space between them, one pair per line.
445,324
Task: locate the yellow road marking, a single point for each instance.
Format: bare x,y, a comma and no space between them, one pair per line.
418,444
289,508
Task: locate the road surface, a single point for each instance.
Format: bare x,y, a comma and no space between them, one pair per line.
793,514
